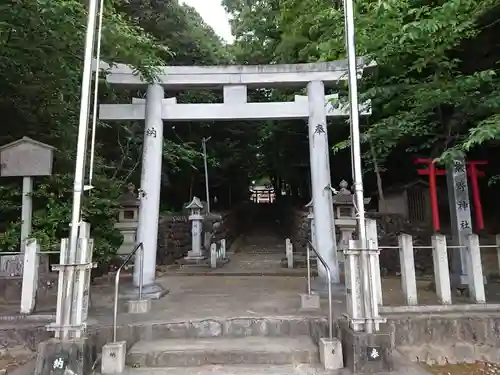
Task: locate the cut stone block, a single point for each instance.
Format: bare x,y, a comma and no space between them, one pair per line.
330,353
139,306
113,357
75,356
291,369
223,351
309,301
366,352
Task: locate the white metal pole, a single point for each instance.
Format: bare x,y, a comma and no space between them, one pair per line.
96,92
81,151
356,158
207,190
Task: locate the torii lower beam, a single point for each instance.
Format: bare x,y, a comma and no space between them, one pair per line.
171,111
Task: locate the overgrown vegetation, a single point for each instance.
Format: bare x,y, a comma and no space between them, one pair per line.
434,93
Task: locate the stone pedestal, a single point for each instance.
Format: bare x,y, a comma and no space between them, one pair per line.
309,302
330,354
152,291
319,286
113,358
56,357
366,353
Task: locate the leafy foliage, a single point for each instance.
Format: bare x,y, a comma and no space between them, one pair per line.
40,76
434,91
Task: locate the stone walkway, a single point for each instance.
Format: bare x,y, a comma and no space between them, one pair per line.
257,253
200,297
252,284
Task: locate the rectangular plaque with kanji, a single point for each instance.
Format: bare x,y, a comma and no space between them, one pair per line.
460,217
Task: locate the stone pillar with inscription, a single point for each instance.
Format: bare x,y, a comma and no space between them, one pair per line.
461,223
149,210
321,183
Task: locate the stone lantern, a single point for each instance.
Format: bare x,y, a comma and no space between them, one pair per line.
345,216
196,218
128,220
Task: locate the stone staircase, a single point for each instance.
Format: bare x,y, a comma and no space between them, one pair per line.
240,346
223,351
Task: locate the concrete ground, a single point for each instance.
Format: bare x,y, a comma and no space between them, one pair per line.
195,296
253,284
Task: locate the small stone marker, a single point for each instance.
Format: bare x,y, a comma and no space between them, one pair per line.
330,353
309,302
289,253
113,357
223,248
213,255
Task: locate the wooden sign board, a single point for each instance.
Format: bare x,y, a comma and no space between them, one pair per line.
25,158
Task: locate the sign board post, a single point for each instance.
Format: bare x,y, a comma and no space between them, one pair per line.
26,158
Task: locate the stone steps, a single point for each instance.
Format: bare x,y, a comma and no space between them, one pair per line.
223,351
300,369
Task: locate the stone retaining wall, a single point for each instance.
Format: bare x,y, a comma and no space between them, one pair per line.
389,226
298,225
449,338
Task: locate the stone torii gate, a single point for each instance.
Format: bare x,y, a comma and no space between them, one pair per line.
234,80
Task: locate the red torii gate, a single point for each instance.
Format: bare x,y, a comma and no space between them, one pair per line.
472,171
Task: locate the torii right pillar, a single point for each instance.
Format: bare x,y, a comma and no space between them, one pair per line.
321,185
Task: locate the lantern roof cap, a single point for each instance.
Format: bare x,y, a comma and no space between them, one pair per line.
195,203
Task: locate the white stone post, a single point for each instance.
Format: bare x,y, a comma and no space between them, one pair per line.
223,248
289,253
213,255
30,277
475,269
372,237
407,261
441,271
149,211
354,302
321,181
346,234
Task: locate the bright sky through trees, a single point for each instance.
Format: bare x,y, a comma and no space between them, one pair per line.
214,15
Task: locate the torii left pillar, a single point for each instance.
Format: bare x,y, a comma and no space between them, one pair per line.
321,186
149,210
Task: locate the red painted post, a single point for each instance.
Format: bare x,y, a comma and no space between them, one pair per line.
432,172
474,174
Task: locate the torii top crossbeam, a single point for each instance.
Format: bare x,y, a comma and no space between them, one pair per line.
262,76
